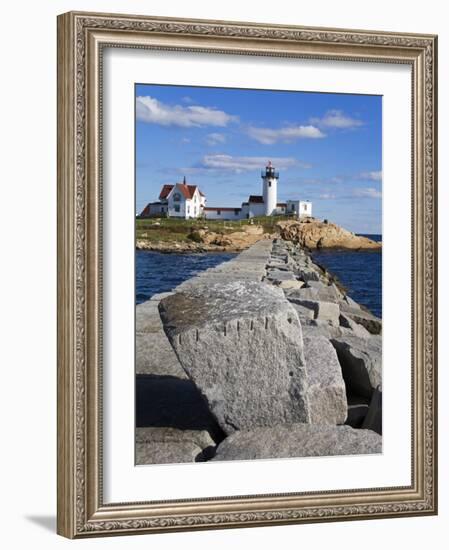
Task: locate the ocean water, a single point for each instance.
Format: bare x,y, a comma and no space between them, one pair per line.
157,272
360,272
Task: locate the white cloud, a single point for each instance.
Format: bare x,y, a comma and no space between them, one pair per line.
245,164
268,136
336,119
336,179
215,138
185,140
323,181
152,111
371,176
367,192
326,196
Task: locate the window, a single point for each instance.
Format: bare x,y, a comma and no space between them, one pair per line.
218,212
236,212
269,184
177,208
305,208
188,209
176,197
162,208
293,207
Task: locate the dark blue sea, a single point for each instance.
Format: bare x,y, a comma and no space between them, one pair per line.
157,272
360,272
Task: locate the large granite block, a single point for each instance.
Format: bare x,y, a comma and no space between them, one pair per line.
241,344
361,362
327,390
297,441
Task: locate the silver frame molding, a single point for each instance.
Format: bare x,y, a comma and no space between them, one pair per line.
81,38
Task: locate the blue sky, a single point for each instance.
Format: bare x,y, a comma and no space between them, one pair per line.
327,148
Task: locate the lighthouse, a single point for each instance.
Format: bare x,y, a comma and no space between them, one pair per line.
270,189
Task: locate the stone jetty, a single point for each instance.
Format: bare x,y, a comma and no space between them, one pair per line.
263,356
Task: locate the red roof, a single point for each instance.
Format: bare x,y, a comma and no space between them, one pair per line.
165,191
146,210
187,190
190,190
256,199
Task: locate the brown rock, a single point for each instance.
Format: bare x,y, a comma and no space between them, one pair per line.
316,234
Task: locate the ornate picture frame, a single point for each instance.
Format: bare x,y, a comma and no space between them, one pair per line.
82,38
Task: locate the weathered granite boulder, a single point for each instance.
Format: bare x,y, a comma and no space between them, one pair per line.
372,323
147,317
304,313
290,285
327,391
348,302
277,276
325,293
309,274
154,354
319,285
169,445
323,311
357,329
298,440
241,344
361,362
314,328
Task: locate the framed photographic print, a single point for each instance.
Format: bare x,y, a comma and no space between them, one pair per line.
246,274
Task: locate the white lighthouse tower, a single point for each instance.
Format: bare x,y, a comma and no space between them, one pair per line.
270,189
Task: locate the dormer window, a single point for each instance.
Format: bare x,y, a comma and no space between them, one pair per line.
176,197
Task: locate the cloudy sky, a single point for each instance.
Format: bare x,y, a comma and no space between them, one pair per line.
327,148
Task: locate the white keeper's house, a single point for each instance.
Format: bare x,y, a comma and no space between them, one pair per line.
185,201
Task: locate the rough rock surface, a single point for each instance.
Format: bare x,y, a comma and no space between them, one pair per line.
298,440
291,285
169,445
154,354
317,234
175,407
203,240
361,362
323,311
349,323
168,405
241,344
364,318
326,293
327,391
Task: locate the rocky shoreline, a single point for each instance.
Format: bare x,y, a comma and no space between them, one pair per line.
309,233
263,356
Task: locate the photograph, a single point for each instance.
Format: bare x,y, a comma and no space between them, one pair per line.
258,274
247,273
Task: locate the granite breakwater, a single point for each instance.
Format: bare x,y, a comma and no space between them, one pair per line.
263,356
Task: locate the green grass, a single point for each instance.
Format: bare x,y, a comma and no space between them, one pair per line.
173,229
